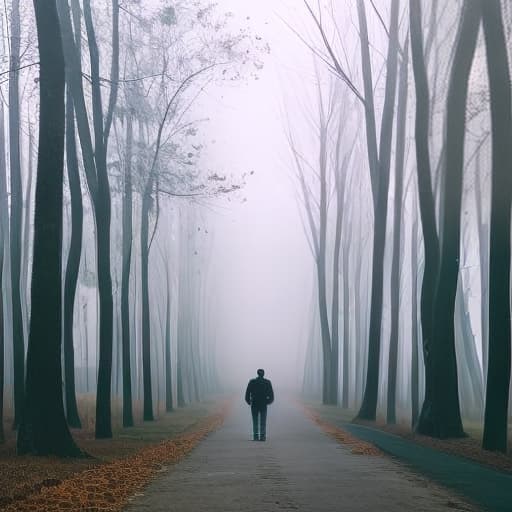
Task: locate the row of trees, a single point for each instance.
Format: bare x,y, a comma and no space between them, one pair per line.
117,85
429,95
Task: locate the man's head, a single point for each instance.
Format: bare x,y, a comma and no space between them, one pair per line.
260,372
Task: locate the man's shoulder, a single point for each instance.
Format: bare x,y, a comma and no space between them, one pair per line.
267,381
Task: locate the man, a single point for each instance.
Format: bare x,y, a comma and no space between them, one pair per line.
259,394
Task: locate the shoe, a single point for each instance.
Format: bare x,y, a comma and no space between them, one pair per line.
255,438
263,438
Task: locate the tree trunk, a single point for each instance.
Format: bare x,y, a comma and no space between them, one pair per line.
440,415
369,106
43,429
470,366
369,406
415,384
16,211
103,220
73,264
26,237
397,232
3,237
125,276
483,253
346,318
498,374
146,321
168,366
425,192
340,178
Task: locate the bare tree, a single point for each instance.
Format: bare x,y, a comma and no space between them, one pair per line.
498,375
16,210
397,233
43,429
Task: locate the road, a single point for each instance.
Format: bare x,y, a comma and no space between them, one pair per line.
297,468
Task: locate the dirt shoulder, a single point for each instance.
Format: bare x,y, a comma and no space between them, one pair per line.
469,447
138,451
461,465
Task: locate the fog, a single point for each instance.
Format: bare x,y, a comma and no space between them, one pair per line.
260,259
313,188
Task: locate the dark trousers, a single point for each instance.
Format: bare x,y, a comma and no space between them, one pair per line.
259,421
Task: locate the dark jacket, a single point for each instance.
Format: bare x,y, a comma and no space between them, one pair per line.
259,392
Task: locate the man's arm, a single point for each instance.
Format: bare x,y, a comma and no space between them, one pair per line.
270,398
248,394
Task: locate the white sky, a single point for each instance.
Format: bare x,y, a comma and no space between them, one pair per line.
261,260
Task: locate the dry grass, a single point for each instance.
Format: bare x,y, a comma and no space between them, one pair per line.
469,447
118,468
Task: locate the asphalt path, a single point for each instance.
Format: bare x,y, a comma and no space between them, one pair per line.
299,467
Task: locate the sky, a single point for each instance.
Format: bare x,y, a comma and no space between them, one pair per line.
261,263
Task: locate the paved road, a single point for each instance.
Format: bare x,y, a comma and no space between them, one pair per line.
298,468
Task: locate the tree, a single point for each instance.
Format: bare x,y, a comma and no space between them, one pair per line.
16,210
3,236
498,375
43,429
75,247
316,213
368,408
440,415
397,232
125,273
415,393
102,125
95,165
424,176
73,264
168,362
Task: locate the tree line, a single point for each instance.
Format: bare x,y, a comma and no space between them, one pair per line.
411,109
117,208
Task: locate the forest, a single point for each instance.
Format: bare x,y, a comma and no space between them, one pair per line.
370,158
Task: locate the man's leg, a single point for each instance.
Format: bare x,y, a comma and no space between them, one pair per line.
263,420
255,429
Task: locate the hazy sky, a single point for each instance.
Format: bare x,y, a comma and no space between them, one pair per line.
261,262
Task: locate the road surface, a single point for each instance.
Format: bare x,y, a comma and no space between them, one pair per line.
297,468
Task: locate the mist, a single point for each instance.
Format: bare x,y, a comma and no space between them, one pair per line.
193,191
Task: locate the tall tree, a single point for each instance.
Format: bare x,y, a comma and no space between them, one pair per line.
27,219
73,263
415,384
4,229
368,408
95,165
16,210
102,124
168,347
397,234
425,190
498,374
316,213
483,254
43,429
440,415
125,273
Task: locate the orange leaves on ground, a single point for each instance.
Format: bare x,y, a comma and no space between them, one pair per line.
108,487
356,446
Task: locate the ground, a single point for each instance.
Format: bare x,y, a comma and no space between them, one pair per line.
24,477
300,467
202,458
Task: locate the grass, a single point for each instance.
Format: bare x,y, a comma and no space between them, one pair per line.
23,476
469,447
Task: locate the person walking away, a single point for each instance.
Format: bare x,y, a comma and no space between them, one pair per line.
259,395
